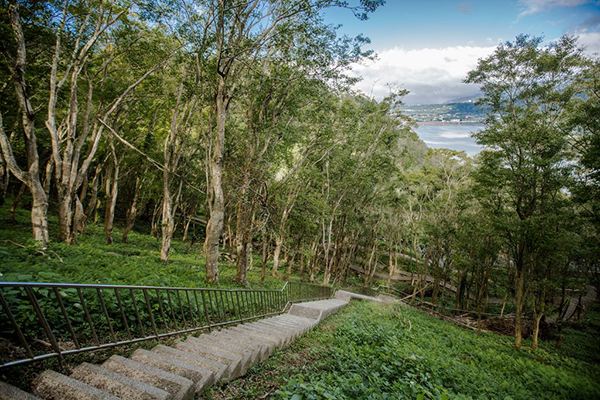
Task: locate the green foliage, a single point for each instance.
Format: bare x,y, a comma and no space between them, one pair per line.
369,351
92,260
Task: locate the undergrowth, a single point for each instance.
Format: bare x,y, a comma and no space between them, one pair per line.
92,260
369,351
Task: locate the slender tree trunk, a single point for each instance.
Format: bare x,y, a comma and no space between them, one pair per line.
186,228
249,256
48,176
4,179
39,213
536,331
519,307
538,317
242,258
167,221
503,304
289,269
65,214
390,271
132,212
372,265
92,202
111,197
79,217
16,201
155,217
276,253
313,261
265,256
243,227
301,271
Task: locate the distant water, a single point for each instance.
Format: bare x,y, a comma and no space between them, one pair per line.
455,137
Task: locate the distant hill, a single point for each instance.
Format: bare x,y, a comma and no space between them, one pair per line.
466,99
463,112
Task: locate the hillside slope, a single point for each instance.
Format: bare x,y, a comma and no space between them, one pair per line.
369,351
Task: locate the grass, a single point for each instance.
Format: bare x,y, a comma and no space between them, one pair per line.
370,351
92,260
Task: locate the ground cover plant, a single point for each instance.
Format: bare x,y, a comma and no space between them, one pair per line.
92,260
371,351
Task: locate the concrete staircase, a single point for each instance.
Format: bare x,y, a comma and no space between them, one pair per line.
187,368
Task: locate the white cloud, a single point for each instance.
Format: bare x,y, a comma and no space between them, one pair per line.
431,75
591,42
438,143
536,6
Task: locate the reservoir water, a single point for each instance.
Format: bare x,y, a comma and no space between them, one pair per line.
450,136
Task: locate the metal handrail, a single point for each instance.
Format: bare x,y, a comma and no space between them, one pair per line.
77,318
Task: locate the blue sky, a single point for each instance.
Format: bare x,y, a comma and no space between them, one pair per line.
428,46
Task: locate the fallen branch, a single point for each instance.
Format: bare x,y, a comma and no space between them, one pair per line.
36,250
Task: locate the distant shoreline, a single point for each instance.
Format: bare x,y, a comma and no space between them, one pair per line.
448,123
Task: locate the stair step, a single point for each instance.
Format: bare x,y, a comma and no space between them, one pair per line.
201,377
278,340
304,326
119,385
284,335
220,370
252,353
317,310
265,348
288,332
9,392
51,385
235,367
252,335
179,388
310,322
224,350
297,329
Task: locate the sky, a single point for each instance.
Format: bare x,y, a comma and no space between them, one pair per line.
428,46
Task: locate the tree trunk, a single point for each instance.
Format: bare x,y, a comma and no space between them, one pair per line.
65,214
16,201
242,259
214,228
168,221
243,227
371,266
276,253
79,218
132,212
301,271
39,213
391,270
265,256
92,202
167,224
186,228
289,269
4,179
249,256
519,308
111,201
312,261
536,330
